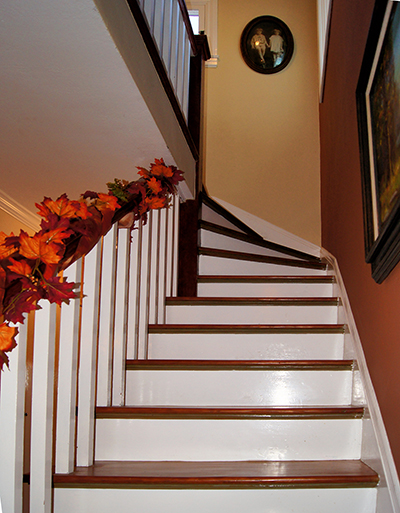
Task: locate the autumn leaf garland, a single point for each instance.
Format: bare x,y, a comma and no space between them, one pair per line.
30,265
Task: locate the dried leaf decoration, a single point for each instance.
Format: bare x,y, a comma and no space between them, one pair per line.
7,342
30,265
39,247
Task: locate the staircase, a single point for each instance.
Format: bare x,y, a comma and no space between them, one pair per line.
246,402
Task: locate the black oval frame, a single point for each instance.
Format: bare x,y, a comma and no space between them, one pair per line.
268,24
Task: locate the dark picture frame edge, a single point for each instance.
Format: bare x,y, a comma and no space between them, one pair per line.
382,250
250,57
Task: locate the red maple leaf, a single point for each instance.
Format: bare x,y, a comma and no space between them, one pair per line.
24,302
57,290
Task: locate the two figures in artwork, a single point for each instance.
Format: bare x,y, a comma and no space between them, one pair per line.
271,49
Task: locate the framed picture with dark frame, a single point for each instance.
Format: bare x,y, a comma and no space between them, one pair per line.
378,110
266,44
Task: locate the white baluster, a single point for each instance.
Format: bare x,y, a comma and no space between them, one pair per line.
186,76
12,418
166,41
107,318
134,288
159,24
181,58
149,7
154,267
67,376
42,409
121,309
144,289
87,360
173,64
169,250
175,248
162,266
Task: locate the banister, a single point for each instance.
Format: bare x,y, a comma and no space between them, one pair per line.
188,25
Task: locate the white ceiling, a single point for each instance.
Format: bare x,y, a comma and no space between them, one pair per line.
71,116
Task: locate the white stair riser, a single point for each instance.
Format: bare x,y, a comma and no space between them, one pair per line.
210,239
251,314
239,388
265,290
345,500
227,440
262,346
207,214
209,265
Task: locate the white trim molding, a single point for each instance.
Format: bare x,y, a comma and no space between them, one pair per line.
324,10
19,212
208,22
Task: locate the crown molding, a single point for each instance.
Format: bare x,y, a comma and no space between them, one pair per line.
18,211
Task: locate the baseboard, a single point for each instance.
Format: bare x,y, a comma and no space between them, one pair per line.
381,454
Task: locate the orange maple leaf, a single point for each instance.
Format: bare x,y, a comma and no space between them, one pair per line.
20,267
57,236
63,207
160,169
5,251
7,337
154,185
37,247
155,202
107,202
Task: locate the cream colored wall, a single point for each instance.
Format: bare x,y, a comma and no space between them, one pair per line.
262,136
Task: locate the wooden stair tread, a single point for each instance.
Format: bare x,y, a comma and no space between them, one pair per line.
247,328
256,240
199,365
218,412
221,474
251,301
237,255
263,279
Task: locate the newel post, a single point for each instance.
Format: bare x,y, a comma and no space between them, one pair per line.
189,211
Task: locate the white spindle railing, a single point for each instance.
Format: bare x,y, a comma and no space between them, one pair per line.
166,23
123,281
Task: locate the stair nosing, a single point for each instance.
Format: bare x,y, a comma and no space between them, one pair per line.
229,413
217,474
247,328
312,279
251,301
239,365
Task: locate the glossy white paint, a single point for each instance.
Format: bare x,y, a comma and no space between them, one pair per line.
209,239
67,376
208,214
239,388
227,440
143,292
209,265
264,289
246,347
345,500
12,419
41,450
134,290
107,318
87,357
121,316
251,314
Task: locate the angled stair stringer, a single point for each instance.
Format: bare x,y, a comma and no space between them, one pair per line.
254,397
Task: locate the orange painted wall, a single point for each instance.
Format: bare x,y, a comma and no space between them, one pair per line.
376,307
